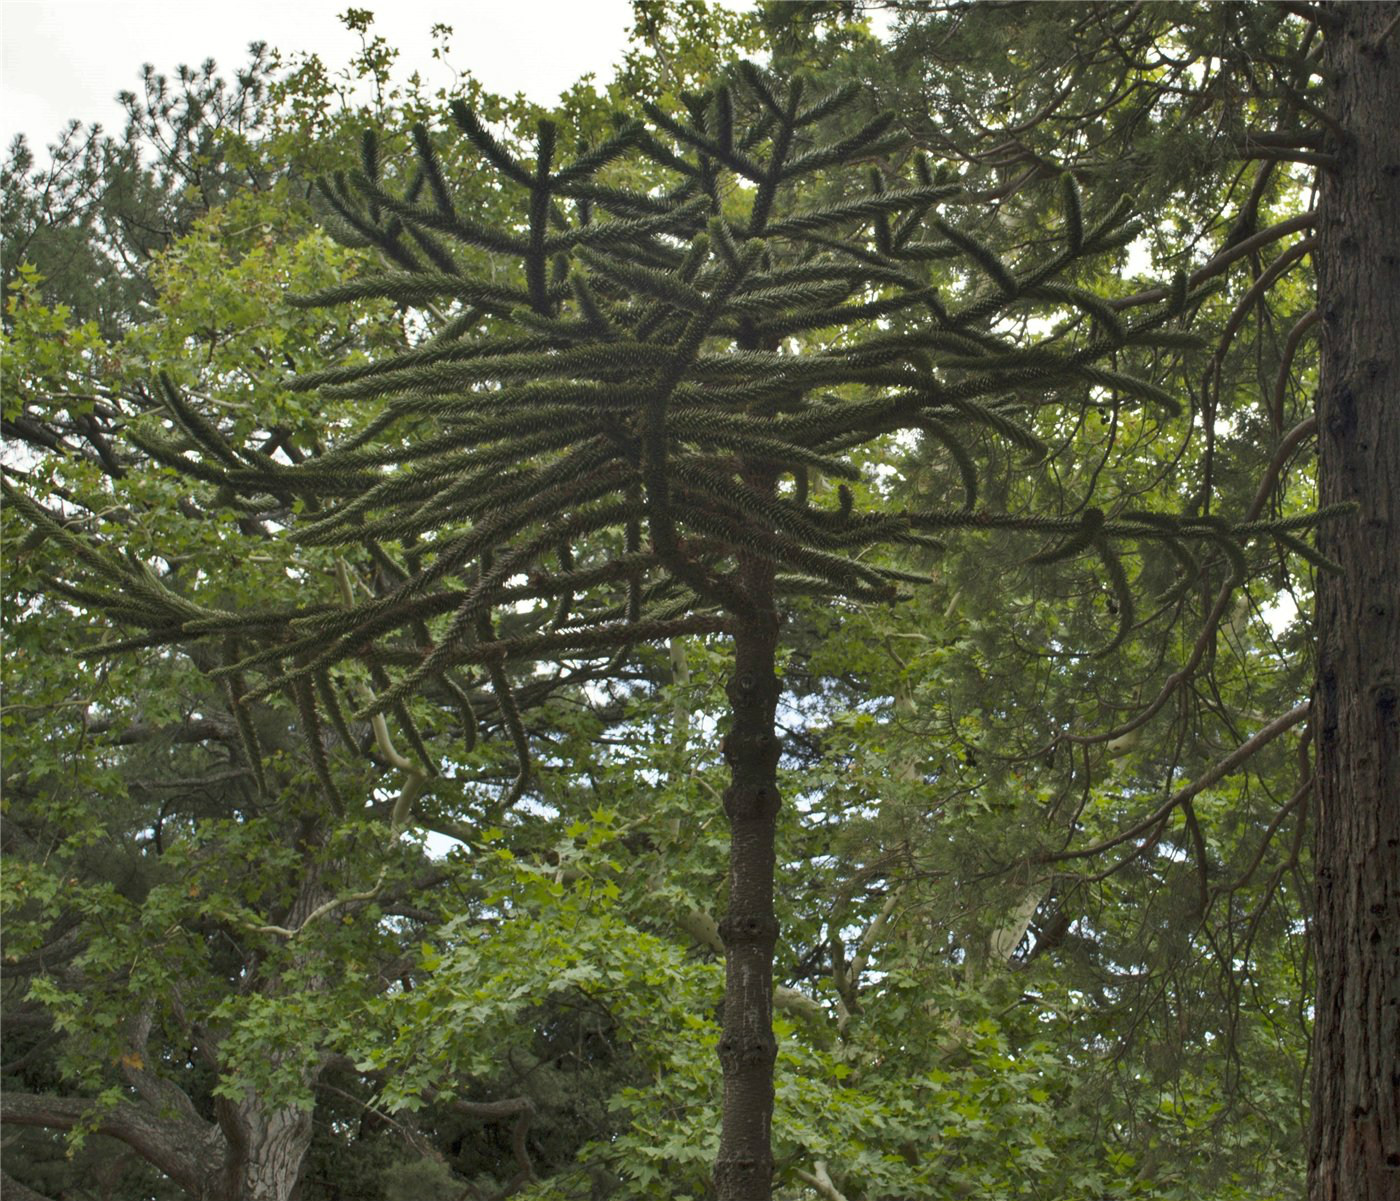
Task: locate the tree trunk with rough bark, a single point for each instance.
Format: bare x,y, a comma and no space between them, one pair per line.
748,1049
261,1162
266,1152
1355,1141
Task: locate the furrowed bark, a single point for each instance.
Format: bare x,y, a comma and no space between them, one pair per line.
182,1149
268,1148
12,1190
1355,1139
262,1162
748,1049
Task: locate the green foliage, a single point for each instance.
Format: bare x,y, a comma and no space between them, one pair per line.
624,429
526,445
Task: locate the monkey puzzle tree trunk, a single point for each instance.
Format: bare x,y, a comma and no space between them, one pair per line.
747,1048
1355,1142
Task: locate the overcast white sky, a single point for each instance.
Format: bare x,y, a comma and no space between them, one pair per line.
65,59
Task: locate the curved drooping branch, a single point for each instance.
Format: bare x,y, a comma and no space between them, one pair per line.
1214,266
15,1191
1218,771
188,1151
1291,441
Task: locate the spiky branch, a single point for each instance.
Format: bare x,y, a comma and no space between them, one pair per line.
614,437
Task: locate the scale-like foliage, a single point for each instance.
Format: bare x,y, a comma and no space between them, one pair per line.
591,450
636,346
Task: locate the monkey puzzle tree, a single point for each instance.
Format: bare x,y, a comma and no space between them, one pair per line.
622,428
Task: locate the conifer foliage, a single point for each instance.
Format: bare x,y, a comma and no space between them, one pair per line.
624,427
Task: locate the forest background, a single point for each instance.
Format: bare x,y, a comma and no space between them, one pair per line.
1045,870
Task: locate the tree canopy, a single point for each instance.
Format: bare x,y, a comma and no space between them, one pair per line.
430,561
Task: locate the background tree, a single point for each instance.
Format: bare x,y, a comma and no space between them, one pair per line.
915,704
620,450
1237,94
1355,1148
92,220
174,794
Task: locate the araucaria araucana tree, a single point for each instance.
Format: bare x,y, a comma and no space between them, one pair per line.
623,427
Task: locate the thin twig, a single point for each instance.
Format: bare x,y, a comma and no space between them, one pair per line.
1227,765
1381,37
1285,366
1213,267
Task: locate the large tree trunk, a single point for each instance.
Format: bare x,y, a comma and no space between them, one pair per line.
1355,1142
267,1152
262,1162
747,1049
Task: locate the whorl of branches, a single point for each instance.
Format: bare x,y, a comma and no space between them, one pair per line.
581,425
